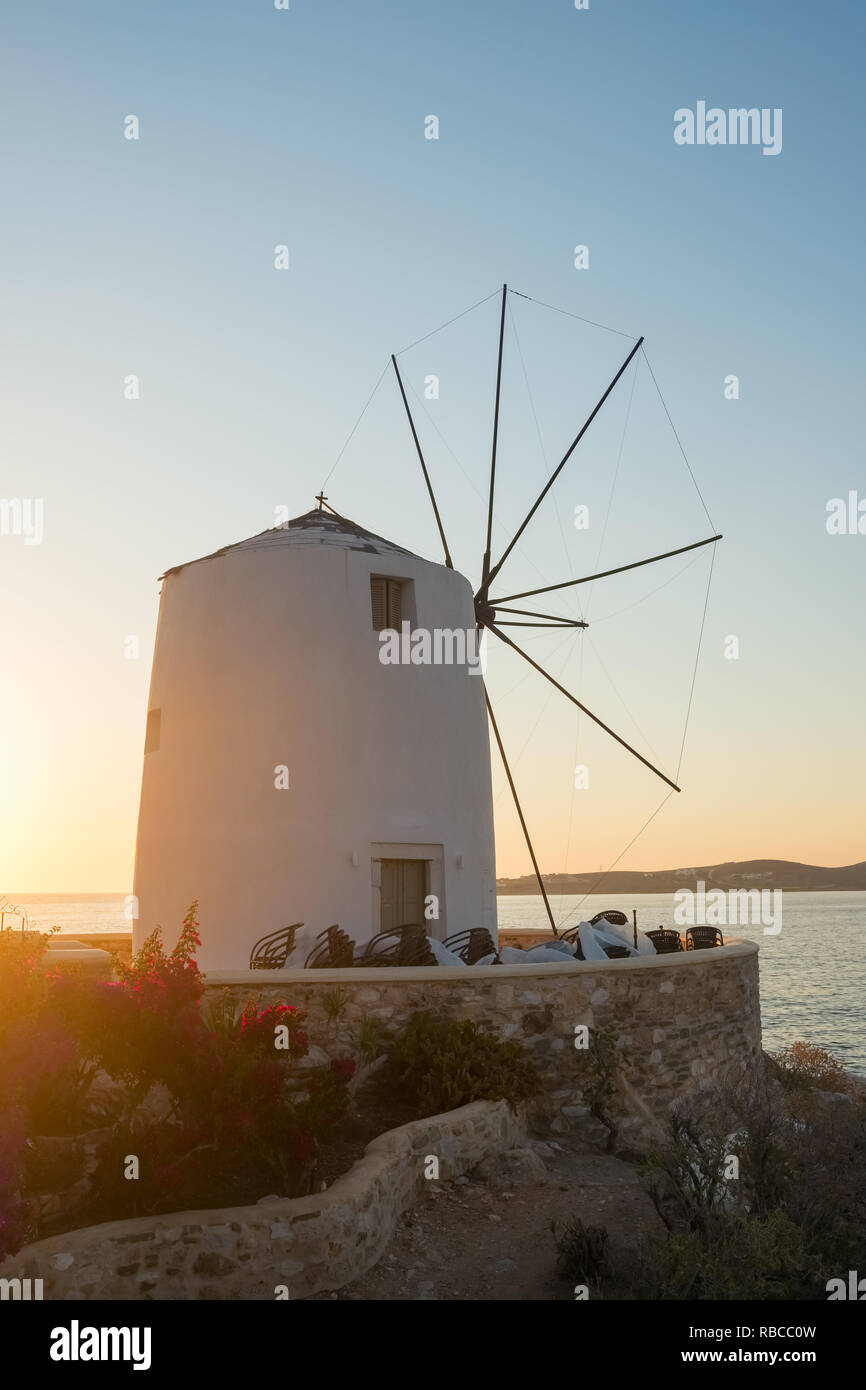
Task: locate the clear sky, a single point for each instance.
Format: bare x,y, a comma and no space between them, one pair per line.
306,127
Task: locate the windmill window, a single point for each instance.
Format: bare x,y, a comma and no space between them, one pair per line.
151,735
386,596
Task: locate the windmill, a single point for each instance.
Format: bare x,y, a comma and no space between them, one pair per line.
290,774
495,610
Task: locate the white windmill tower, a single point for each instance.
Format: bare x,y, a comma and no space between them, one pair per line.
289,774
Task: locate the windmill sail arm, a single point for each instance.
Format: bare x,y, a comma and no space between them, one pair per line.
520,815
574,700
488,578
448,560
549,617
486,561
604,574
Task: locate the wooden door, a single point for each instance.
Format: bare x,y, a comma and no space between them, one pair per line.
404,884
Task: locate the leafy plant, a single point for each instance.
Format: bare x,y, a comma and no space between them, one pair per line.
599,1068
371,1038
151,970
146,1028
25,1068
13,1208
247,1115
762,1258
221,1009
581,1252
782,1221
334,1003
803,1064
439,1064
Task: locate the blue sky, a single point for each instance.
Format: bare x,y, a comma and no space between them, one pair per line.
306,128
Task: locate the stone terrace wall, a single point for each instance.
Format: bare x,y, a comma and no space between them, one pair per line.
304,1244
689,1018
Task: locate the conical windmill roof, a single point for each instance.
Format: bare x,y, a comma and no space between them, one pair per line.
313,528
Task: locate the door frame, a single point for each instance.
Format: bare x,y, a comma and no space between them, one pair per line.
434,857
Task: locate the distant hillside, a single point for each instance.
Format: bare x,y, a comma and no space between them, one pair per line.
748,873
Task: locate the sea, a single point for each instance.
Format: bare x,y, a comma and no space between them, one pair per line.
813,972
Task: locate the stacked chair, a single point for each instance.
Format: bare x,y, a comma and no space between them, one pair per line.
406,945
334,949
272,951
472,945
666,941
702,938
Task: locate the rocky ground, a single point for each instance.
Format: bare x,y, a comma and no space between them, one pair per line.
488,1236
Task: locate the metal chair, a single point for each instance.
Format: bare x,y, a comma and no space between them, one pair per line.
471,945
334,949
573,935
703,938
619,919
404,945
666,941
616,952
612,916
272,951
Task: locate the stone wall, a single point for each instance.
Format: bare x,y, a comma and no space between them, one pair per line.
688,1018
301,1245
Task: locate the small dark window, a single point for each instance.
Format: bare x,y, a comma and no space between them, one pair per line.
387,601
151,735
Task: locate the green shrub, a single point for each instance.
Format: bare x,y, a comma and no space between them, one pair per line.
580,1252
334,1002
730,1258
790,1219
598,1068
370,1036
439,1064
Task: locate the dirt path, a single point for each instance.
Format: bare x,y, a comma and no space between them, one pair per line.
488,1237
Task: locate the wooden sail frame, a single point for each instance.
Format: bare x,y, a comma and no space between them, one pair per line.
487,608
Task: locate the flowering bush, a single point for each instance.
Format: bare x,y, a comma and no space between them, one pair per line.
13,1207
167,982
138,1029
258,1029
30,1063
244,1116
247,1122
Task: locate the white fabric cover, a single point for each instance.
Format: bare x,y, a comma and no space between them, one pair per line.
443,955
608,937
486,960
644,946
619,929
592,949
545,955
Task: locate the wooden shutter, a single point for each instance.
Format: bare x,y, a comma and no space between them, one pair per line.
379,598
395,603
390,895
412,898
403,888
